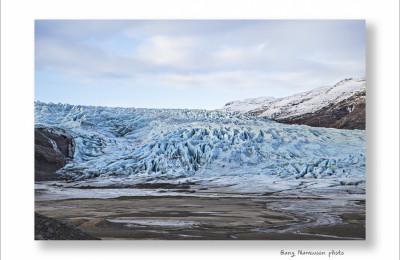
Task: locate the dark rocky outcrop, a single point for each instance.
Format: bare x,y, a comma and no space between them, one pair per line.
347,114
52,229
54,147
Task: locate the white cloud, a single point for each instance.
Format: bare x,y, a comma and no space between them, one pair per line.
220,81
85,81
176,52
240,55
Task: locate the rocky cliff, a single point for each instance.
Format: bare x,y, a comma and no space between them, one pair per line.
53,148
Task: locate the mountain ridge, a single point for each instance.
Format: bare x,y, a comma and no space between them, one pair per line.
340,106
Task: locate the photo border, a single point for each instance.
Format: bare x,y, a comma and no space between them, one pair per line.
17,79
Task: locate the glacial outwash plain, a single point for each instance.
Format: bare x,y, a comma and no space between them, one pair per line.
133,173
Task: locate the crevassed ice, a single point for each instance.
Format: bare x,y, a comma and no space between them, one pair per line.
176,142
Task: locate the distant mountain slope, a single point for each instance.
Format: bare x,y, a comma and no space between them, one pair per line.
339,106
246,105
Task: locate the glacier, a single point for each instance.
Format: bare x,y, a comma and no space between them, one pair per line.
201,144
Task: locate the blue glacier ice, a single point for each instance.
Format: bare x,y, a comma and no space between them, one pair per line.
183,142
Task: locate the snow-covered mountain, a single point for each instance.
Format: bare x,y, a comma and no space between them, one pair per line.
181,142
246,105
339,106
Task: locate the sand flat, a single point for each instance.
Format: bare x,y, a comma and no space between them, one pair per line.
245,217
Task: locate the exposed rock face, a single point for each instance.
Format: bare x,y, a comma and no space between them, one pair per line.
347,114
53,148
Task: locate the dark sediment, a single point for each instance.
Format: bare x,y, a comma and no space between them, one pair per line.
210,218
52,229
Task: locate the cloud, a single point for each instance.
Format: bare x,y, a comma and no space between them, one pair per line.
175,52
86,81
241,81
79,60
268,56
241,56
231,80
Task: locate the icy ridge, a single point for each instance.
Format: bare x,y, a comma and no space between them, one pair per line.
243,106
179,142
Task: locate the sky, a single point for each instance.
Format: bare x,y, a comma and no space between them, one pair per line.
196,64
